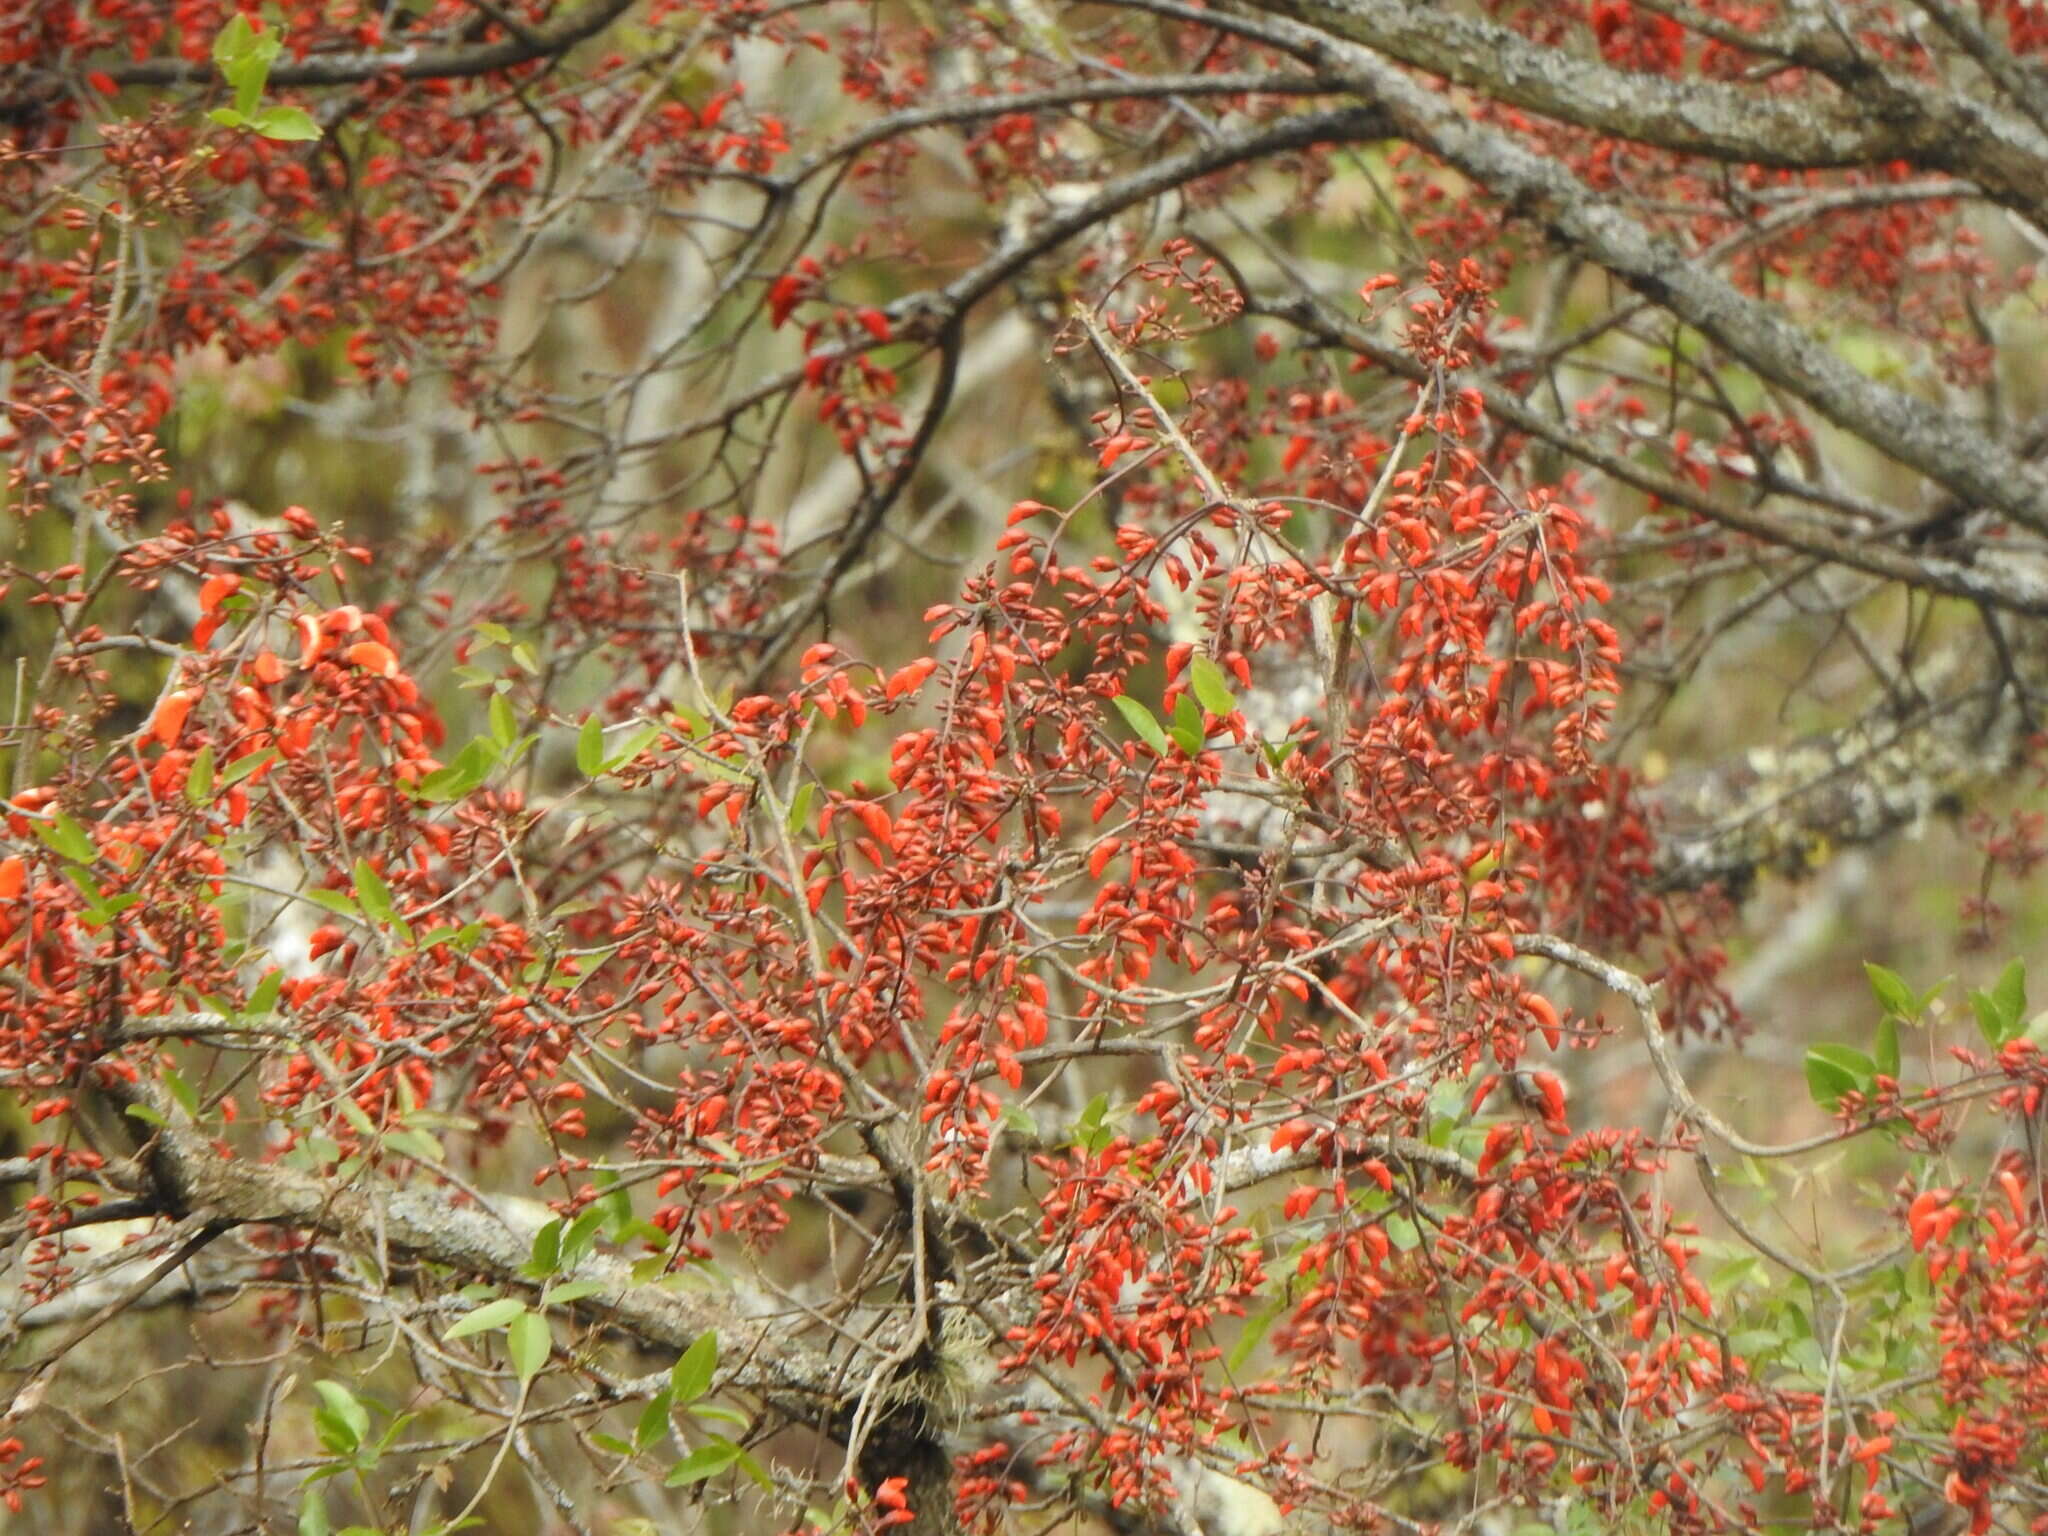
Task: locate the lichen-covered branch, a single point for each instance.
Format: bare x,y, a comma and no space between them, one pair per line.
1785,808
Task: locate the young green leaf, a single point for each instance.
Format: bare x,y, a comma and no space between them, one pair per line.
68,838
653,1420
1187,731
1891,991
337,902
199,777
504,727
800,807
1091,1131
756,1473
528,1342
244,57
183,1092
2000,1013
242,767
638,740
579,1235
471,767
341,1421
690,1376
2010,993
1833,1070
289,124
706,1461
264,998
1141,720
547,1252
491,1315
1254,1332
374,895
1211,690
590,748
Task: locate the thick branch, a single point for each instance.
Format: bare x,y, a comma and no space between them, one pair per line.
1881,118
2011,586
1976,467
1786,808
182,1169
446,63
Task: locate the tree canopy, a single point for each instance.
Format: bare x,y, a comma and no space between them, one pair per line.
806,766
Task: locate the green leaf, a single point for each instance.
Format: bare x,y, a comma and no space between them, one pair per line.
88,888
800,808
616,1202
358,1118
1211,690
756,1472
1187,731
1891,991
244,57
1255,1330
242,767
146,1115
233,44
421,1146
2001,1012
2010,993
579,1235
638,740
492,1314
719,1413
341,1421
529,1342
1141,720
547,1252
375,895
264,998
690,1377
1277,752
182,1091
313,1515
590,748
1888,1045
471,767
714,767
199,777
337,902
1091,1133
706,1461
653,1420
575,1290
1833,1070
287,123
504,728
68,838
613,1444
113,906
